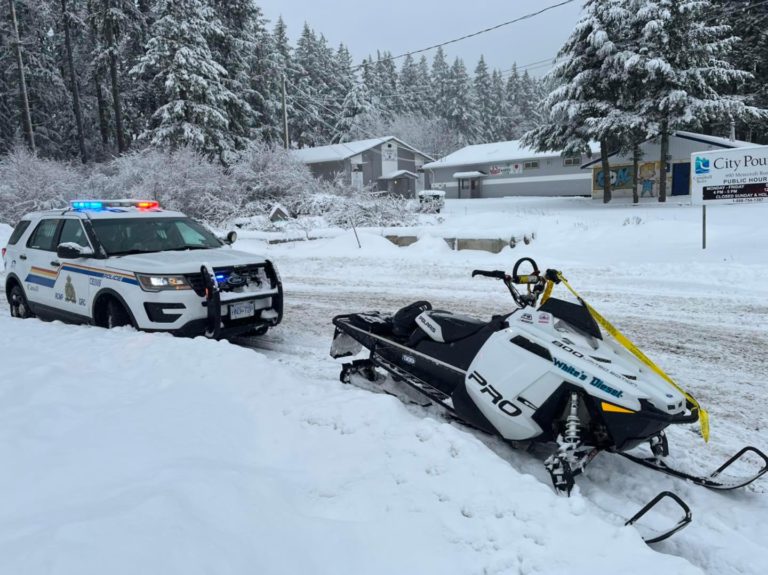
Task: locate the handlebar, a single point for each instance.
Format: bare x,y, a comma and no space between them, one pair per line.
536,281
498,274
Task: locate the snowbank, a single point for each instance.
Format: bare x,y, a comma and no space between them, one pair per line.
134,453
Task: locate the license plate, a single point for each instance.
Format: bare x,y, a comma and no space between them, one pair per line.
241,310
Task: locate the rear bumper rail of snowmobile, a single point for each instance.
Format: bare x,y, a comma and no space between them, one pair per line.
685,520
711,481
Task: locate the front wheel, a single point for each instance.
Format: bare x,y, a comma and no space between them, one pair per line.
116,315
19,305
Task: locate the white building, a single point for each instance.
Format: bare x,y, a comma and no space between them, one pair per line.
508,169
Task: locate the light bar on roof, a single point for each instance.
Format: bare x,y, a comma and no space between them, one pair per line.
103,204
86,205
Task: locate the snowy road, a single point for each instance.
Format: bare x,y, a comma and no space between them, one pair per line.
266,445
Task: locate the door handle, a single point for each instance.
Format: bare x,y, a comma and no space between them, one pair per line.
55,264
22,257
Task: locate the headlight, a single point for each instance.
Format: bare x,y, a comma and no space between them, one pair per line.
161,283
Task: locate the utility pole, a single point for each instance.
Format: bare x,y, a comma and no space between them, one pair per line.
26,117
286,143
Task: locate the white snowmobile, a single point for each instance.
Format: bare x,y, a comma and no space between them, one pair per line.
545,374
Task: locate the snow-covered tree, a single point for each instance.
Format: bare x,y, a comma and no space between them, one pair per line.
461,110
440,79
688,79
584,106
195,99
483,90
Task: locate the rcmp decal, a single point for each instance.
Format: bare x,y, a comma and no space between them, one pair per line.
70,295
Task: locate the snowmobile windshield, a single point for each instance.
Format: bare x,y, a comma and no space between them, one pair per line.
145,235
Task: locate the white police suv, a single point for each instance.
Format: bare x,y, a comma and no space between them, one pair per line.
129,262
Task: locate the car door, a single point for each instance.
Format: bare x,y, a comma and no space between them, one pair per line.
72,289
42,272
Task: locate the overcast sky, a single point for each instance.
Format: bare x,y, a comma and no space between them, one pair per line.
404,25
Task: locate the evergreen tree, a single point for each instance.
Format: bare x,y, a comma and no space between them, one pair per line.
309,89
195,100
688,80
410,84
461,110
484,98
237,46
501,121
584,106
440,78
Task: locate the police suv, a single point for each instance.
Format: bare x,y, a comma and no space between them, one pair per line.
129,262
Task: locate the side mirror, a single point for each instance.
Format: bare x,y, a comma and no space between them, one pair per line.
231,238
72,251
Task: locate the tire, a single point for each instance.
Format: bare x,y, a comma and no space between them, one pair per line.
116,316
18,303
259,331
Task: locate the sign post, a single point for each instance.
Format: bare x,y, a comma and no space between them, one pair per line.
734,176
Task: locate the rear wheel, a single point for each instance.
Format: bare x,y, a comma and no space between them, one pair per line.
116,315
18,302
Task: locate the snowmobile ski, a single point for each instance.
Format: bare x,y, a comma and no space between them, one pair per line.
711,481
662,535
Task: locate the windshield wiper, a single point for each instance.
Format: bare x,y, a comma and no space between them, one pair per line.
189,248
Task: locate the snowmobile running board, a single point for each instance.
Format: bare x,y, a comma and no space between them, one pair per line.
711,481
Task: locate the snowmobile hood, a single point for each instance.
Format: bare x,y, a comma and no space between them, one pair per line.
184,261
601,366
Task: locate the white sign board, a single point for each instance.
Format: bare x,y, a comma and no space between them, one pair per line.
734,176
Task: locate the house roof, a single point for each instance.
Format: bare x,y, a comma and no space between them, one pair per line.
493,152
340,152
468,175
398,174
695,137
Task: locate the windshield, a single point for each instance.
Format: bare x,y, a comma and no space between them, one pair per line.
143,235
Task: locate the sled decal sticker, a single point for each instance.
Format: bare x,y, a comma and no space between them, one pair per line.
504,405
596,361
582,376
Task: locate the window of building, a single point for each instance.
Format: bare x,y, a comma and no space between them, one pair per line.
572,161
531,164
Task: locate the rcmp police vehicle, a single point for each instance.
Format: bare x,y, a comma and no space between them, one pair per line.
129,262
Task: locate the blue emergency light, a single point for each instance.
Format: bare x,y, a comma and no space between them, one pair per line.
86,205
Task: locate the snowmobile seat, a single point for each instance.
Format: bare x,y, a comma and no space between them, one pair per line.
372,322
445,327
404,320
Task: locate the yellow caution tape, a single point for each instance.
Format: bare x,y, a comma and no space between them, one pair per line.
633,349
547,291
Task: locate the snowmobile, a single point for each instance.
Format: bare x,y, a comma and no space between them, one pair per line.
546,373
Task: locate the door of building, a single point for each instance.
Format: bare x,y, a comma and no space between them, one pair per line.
681,179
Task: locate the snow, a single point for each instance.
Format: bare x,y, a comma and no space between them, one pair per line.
723,142
510,151
152,454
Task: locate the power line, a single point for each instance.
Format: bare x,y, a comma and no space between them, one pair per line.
473,34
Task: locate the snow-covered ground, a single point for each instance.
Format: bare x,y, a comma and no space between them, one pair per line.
141,453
